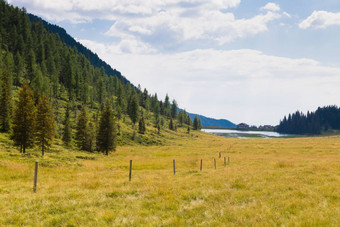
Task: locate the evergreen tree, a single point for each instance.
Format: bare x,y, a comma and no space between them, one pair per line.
133,107
167,111
199,124
44,124
67,133
141,125
171,125
82,137
24,119
5,101
188,120
174,109
196,123
181,117
107,132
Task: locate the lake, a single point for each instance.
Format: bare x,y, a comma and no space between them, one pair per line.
245,134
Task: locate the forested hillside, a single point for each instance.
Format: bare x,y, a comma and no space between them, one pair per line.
322,120
70,41
81,98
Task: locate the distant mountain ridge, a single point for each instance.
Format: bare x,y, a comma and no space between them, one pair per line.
207,121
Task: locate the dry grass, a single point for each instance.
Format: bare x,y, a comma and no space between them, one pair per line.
269,182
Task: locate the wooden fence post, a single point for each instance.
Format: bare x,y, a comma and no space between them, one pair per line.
225,161
130,170
201,165
228,160
35,177
219,155
174,166
215,162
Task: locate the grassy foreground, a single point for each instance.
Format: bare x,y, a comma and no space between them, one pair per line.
269,182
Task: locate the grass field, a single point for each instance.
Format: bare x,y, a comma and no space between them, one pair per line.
269,182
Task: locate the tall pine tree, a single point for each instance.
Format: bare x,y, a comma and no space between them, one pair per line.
196,123
174,109
141,125
133,107
107,132
82,136
24,119
44,124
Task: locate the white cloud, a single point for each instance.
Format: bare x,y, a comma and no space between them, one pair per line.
86,10
170,26
271,7
320,20
240,85
163,25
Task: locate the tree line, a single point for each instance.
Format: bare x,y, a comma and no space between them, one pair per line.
43,77
323,119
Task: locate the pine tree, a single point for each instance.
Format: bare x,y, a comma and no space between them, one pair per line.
81,136
167,111
171,125
181,117
195,123
188,120
174,108
133,107
5,101
44,124
24,119
67,132
141,125
107,132
199,124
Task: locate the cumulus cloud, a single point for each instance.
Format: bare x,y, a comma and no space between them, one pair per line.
320,20
171,27
240,85
271,7
86,10
162,25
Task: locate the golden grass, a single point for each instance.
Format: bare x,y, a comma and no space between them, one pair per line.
269,182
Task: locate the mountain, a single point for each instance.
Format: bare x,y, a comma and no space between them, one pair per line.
42,60
70,41
97,62
207,121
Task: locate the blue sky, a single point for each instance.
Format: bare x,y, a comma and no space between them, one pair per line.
242,60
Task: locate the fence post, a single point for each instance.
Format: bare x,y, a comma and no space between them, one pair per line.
35,177
228,160
201,165
219,155
174,166
225,161
215,162
130,170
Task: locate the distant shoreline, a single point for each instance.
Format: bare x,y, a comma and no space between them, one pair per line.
239,129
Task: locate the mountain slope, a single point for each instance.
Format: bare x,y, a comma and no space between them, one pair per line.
96,61
70,41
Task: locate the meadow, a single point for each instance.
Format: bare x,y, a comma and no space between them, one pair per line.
268,182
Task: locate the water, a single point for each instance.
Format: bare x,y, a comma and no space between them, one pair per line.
244,134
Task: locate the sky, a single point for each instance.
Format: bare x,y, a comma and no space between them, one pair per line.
242,60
